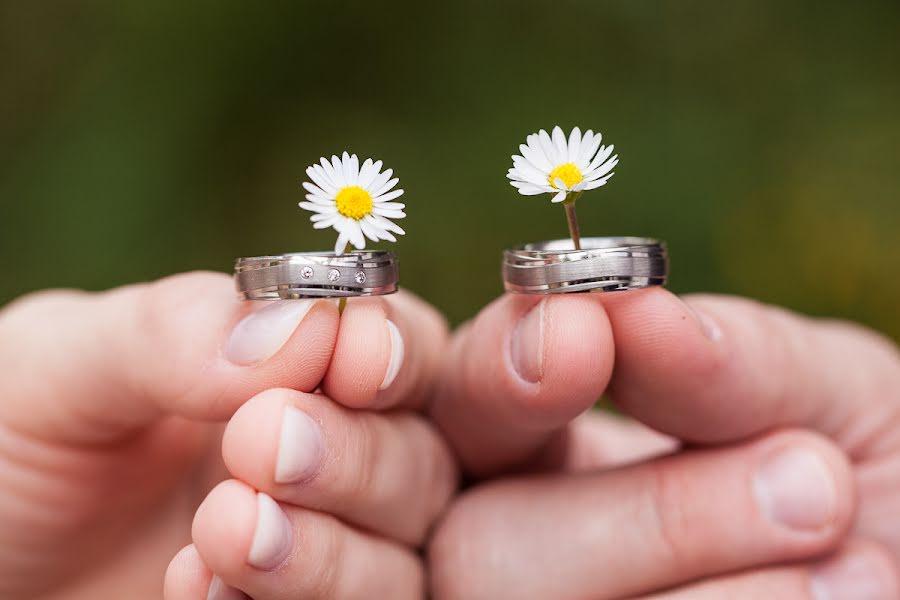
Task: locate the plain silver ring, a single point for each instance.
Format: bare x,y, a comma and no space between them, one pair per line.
604,264
316,275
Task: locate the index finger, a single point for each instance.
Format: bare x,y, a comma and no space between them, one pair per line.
718,369
87,367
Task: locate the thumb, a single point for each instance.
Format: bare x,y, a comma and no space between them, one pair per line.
84,367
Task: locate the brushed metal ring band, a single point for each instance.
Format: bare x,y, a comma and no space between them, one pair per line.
316,275
604,264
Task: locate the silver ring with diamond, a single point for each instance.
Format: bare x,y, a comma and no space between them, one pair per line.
316,275
604,264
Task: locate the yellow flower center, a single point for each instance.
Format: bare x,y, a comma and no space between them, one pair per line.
569,173
354,202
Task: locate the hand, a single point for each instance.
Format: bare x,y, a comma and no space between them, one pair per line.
111,435
751,510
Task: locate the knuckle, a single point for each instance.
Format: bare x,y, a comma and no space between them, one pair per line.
672,519
459,552
361,482
324,552
440,473
434,471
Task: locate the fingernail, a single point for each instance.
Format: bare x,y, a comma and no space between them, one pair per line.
855,576
273,537
707,325
219,591
262,333
528,344
396,360
300,447
796,489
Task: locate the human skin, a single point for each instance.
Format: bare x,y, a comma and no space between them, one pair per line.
112,453
776,473
112,435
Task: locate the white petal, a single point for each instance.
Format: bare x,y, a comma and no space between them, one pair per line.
370,230
354,168
536,157
516,178
387,224
391,205
391,214
602,155
322,216
356,235
529,171
319,180
367,177
339,180
364,170
317,208
559,140
327,222
341,243
351,168
588,149
574,145
604,169
560,184
320,200
385,188
315,190
379,181
532,191
384,234
388,196
329,172
524,185
560,196
592,185
548,148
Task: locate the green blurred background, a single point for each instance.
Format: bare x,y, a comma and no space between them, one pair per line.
760,138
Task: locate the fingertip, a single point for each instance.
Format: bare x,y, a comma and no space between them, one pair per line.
252,435
665,349
574,344
224,525
660,328
419,337
311,344
253,346
578,346
274,438
265,328
361,362
805,485
395,356
186,577
387,353
863,569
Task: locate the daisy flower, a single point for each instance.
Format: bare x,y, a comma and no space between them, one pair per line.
566,168
552,164
354,199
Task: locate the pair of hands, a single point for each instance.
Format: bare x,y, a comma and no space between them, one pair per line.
767,464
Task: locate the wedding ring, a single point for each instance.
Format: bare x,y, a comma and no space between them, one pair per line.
604,264
316,275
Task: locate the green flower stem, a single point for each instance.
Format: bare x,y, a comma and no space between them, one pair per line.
342,302
572,218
